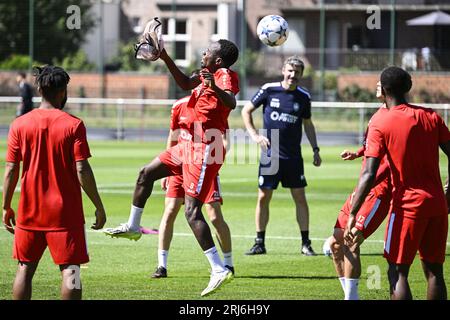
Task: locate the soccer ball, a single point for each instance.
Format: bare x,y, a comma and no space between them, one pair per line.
272,30
326,249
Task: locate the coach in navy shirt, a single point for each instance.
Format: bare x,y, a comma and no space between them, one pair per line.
286,107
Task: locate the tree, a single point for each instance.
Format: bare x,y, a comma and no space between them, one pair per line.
52,38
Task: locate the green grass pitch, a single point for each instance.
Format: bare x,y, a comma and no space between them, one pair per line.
120,269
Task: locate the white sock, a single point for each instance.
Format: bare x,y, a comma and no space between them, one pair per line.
227,259
342,280
351,289
214,260
162,258
134,221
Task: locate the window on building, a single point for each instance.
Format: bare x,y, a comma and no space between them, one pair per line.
180,27
215,27
176,37
165,25
180,50
214,30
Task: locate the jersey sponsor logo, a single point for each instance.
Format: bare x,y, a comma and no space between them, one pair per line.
283,117
185,135
296,107
183,118
275,103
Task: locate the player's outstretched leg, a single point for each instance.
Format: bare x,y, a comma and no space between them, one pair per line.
219,274
153,171
223,233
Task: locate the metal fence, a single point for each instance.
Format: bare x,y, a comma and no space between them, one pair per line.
148,119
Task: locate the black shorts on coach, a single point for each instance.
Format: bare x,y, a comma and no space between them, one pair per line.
290,172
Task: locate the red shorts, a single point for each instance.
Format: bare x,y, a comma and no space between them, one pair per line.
405,236
199,165
66,247
175,189
371,214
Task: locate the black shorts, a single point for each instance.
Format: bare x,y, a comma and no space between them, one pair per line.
290,172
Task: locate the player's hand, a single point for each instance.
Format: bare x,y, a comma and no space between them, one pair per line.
358,237
100,219
348,155
316,159
348,234
207,78
262,141
9,219
164,183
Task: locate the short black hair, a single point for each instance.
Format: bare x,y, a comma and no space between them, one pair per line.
51,80
228,52
395,81
22,74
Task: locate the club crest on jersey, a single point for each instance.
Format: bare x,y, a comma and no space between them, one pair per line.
275,103
296,107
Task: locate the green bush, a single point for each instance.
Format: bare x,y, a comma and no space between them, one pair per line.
76,62
17,62
355,93
330,81
425,96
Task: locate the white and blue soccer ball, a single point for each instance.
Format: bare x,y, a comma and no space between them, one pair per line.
326,248
273,30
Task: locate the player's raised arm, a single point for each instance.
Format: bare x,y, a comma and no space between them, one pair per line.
250,126
87,182
183,81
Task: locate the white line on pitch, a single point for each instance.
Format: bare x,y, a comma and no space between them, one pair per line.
182,234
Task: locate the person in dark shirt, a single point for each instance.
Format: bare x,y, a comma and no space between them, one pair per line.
286,109
26,93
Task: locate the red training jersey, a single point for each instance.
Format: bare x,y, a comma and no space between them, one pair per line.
204,105
48,142
179,120
178,116
410,136
382,184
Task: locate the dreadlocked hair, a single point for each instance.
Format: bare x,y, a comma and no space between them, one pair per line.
51,80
